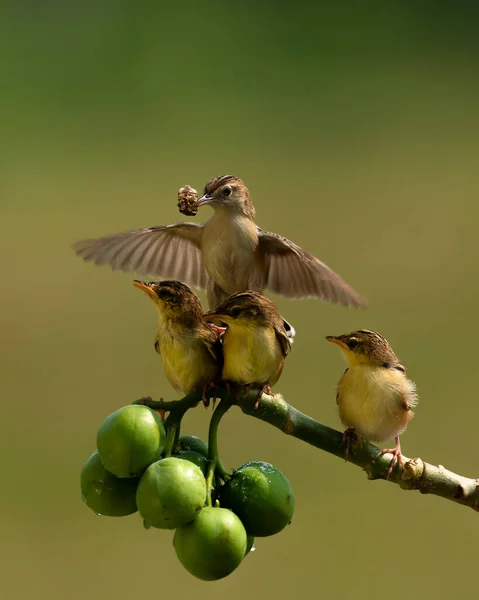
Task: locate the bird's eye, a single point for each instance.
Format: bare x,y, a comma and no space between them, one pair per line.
235,312
353,343
164,294
227,190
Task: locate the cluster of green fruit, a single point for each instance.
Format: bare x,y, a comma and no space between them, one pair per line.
215,528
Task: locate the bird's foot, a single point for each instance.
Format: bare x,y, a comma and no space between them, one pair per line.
397,457
265,389
205,397
160,411
350,438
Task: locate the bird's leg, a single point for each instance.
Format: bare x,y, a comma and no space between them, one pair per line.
263,389
204,389
160,411
350,437
211,385
206,400
397,456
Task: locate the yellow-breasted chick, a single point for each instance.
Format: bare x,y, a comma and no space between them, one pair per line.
256,341
190,349
374,396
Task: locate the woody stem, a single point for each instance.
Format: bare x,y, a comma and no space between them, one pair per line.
414,474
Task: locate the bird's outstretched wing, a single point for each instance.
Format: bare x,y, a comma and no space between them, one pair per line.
166,251
294,273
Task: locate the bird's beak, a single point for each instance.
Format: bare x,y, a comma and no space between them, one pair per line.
204,200
213,316
336,340
219,330
141,285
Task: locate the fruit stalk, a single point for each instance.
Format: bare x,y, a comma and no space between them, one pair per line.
215,464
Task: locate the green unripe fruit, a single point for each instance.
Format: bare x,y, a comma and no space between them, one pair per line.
130,439
250,542
196,458
191,442
171,493
261,496
213,545
104,493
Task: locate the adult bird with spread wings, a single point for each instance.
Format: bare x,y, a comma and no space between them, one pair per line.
227,254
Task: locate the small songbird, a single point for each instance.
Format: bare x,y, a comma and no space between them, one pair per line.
255,343
227,254
190,349
374,395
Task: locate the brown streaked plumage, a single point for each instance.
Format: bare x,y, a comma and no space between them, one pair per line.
255,343
227,254
375,397
190,349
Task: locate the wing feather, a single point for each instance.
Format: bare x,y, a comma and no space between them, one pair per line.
294,273
165,251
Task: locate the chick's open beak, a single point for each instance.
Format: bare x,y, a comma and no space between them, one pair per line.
336,340
217,329
146,287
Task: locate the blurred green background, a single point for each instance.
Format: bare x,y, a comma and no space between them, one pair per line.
356,128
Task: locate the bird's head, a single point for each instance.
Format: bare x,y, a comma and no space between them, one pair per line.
245,309
174,300
365,347
227,193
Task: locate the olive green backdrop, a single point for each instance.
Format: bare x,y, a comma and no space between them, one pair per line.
356,129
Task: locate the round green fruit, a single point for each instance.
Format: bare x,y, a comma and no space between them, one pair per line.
171,493
261,496
191,442
250,544
104,493
213,545
196,458
130,439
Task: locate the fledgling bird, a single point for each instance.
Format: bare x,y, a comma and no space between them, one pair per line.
255,343
190,349
374,396
228,253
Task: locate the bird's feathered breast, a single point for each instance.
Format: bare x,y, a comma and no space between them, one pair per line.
229,247
252,354
376,401
191,356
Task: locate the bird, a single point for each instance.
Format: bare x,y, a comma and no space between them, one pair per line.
190,348
228,253
255,343
374,396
